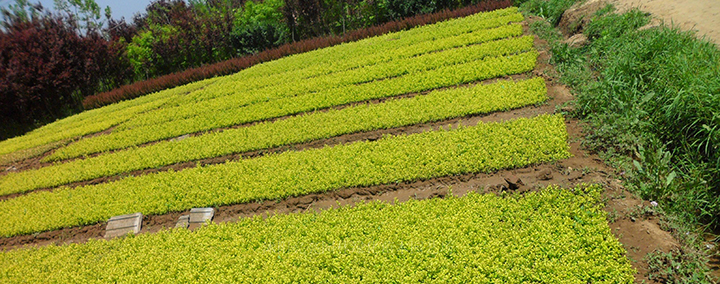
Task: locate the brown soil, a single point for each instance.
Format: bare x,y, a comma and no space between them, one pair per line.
34,160
640,235
22,159
702,16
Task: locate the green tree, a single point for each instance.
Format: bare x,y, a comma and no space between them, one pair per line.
87,13
259,26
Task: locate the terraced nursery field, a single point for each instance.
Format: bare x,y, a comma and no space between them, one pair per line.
398,109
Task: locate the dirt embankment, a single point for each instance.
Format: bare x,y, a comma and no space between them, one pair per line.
702,16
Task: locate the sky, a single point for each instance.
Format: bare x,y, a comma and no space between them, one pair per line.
120,8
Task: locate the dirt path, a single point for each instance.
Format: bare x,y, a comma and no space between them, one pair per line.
700,15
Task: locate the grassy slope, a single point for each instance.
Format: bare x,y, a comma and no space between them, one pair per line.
652,100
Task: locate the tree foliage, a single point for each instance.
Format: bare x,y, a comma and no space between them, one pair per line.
45,65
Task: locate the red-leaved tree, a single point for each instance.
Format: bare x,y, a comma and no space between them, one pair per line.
47,66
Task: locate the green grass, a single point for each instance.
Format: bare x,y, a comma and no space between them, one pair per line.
657,98
552,236
651,99
551,10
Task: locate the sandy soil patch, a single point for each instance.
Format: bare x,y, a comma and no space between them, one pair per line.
702,16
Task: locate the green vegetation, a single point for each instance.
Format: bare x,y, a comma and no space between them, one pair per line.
435,106
481,148
475,29
551,236
441,77
677,266
651,98
234,97
89,122
479,28
69,58
663,110
551,10
246,88
174,36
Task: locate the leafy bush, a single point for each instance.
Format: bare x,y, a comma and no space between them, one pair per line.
551,10
259,27
438,105
486,147
174,36
401,9
654,95
551,236
677,266
46,67
49,62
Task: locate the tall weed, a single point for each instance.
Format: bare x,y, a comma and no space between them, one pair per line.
551,10
653,95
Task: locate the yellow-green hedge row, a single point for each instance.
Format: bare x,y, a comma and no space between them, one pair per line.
233,94
101,119
95,120
551,236
343,56
437,105
481,148
395,47
427,80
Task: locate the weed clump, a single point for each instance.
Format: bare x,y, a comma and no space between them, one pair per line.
652,96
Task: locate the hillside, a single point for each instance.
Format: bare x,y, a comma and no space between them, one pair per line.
437,154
